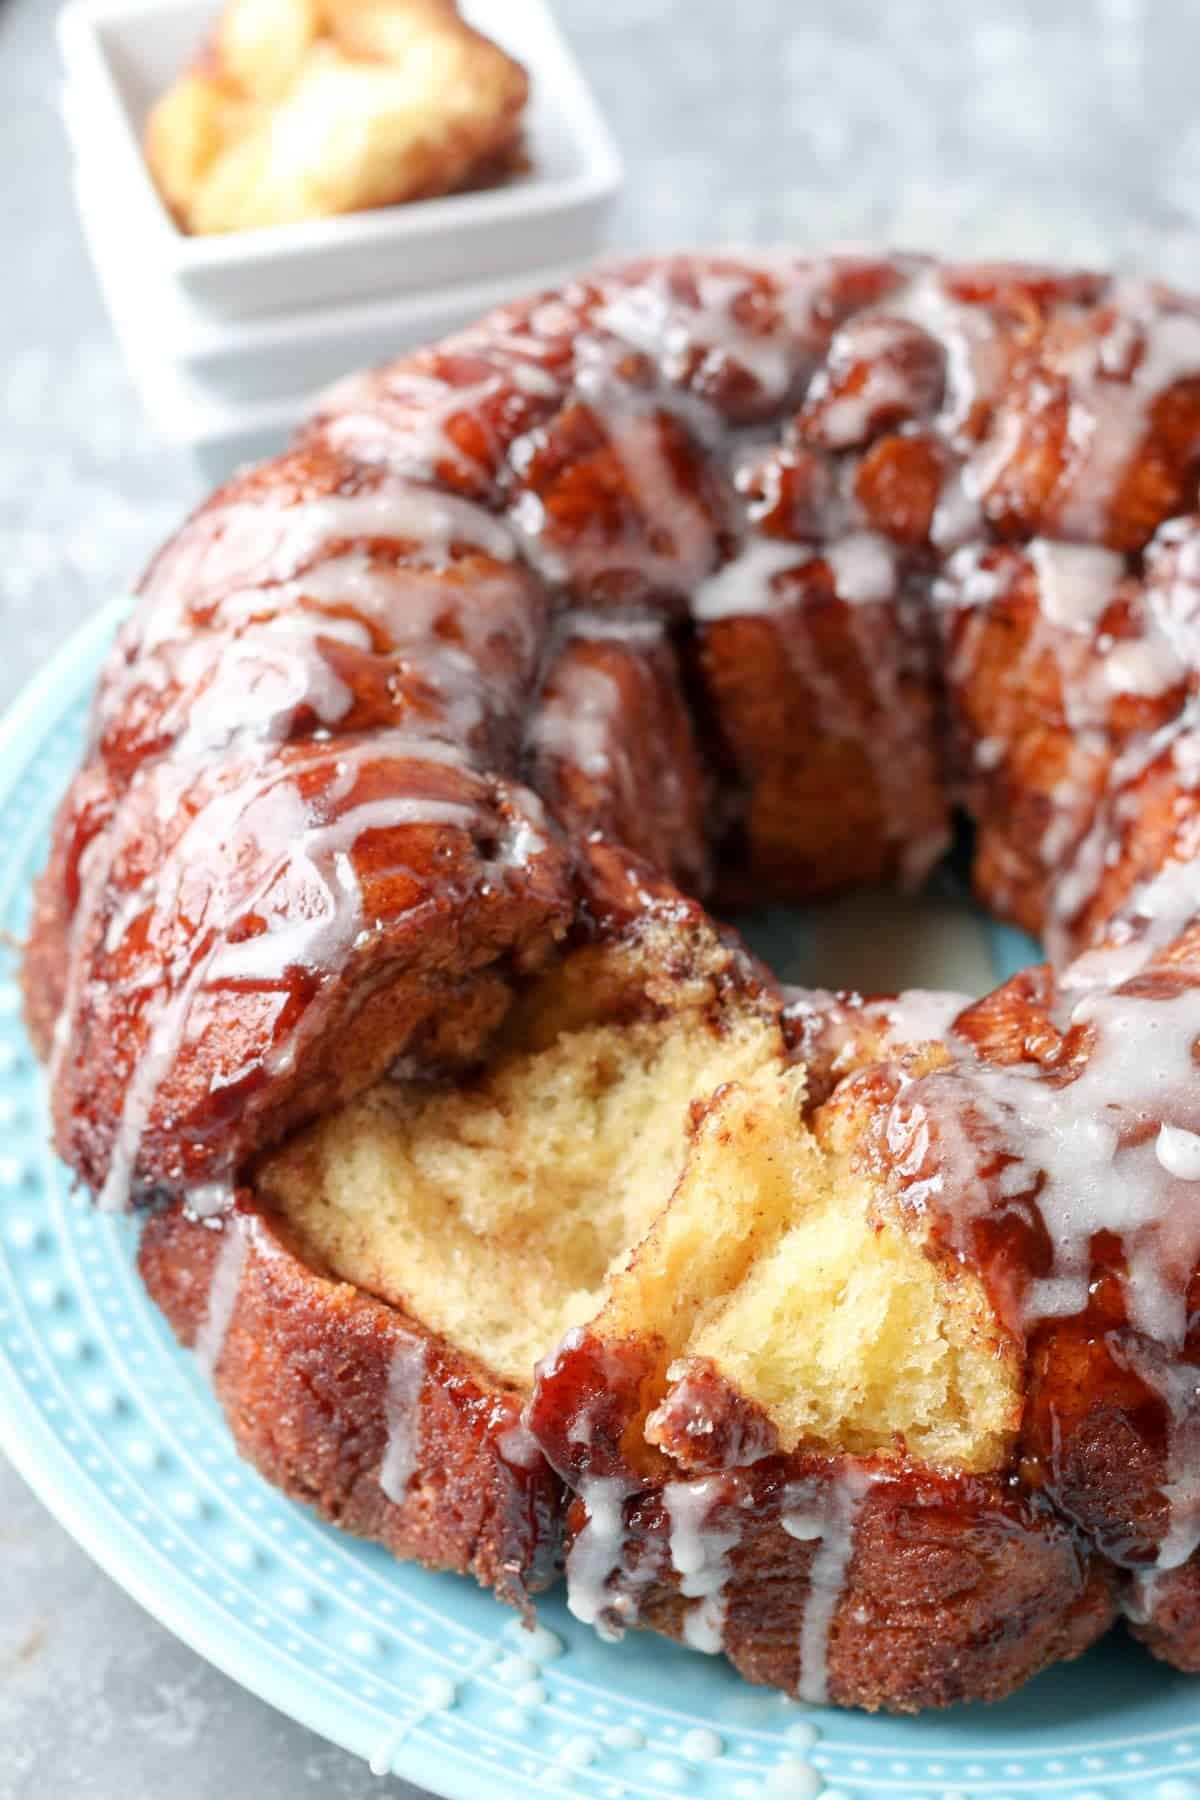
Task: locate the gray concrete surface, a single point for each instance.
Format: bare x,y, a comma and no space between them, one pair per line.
1063,128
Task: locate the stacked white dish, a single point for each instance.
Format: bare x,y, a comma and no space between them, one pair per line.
229,338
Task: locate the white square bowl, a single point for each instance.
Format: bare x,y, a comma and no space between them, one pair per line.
217,434
121,54
236,393
275,357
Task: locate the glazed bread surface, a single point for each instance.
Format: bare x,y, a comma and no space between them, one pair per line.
850,1335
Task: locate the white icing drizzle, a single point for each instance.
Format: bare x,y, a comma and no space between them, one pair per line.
676,547
597,1554
834,1522
1178,1387
95,867
206,1199
744,586
864,568
1078,884
150,1071
402,1415
847,419
427,517
850,1030
1075,582
1110,417
958,514
319,862
1153,917
866,574
535,1641
264,677
699,1554
923,1015
969,339
1085,1146
222,1294
578,724
653,318
1179,1152
402,422
518,1446
256,543
307,895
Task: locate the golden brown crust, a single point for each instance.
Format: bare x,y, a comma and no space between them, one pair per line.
954,1591
948,1587
442,909
302,1371
814,696
614,754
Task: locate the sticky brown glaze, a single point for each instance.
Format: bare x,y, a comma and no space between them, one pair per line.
774,459
612,749
215,1037
801,1568
954,1591
1039,722
739,575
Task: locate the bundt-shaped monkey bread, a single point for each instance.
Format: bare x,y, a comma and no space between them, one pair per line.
521,1218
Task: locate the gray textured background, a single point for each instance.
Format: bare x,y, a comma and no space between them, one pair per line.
1067,130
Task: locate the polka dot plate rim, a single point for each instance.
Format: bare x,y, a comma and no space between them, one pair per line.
426,1676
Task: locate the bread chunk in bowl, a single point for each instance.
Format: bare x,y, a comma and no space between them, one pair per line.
303,109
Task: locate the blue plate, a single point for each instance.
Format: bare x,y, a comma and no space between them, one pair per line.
426,1675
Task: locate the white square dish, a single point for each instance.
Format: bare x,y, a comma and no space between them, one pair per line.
276,357
120,54
218,433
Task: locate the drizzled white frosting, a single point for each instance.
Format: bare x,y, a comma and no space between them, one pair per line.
579,725
865,572
673,545
744,585
596,1555
409,433
1075,582
653,317
1111,417
222,1293
832,1519
307,897
699,1553
402,1415
968,338
1179,1152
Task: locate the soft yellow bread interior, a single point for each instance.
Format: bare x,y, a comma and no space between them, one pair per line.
495,1208
647,1168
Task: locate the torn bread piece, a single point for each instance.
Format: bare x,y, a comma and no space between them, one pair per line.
303,109
790,1426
